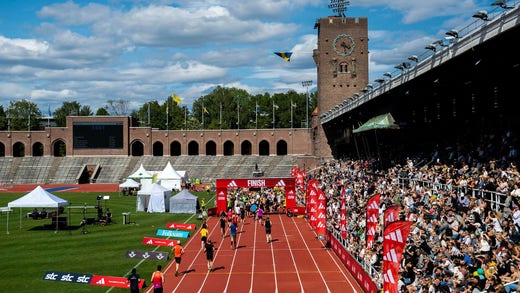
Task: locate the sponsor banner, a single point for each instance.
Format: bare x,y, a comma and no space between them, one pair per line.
67,277
391,214
160,242
362,277
395,237
290,199
173,233
224,184
298,210
343,215
109,281
254,182
89,279
321,217
182,226
149,255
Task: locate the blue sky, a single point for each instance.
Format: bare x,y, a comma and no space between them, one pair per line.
95,51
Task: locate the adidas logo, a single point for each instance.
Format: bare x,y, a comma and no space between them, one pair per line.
280,183
373,205
101,281
390,218
372,219
396,235
392,256
389,277
232,184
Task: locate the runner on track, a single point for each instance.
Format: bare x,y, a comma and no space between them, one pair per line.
233,235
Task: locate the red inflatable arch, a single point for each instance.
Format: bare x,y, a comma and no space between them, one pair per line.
224,184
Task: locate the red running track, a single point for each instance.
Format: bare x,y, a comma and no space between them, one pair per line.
295,261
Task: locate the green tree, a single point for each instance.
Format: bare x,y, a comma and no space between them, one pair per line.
66,109
3,118
85,111
102,112
174,114
24,115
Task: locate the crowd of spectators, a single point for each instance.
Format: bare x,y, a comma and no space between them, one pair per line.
460,241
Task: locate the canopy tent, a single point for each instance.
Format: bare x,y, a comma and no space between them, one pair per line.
381,122
170,178
385,121
130,183
153,199
184,202
37,198
144,177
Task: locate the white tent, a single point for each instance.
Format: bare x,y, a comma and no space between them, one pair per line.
184,202
38,198
130,183
144,177
153,199
170,178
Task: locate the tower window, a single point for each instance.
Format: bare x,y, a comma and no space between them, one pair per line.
343,67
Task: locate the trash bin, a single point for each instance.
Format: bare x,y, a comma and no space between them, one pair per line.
126,218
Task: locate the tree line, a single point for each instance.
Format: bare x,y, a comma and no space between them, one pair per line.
223,108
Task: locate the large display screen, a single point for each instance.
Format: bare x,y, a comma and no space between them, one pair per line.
97,135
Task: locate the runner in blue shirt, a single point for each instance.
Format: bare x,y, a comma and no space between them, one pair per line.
254,207
233,235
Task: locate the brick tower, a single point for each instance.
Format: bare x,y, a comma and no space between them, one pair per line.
342,63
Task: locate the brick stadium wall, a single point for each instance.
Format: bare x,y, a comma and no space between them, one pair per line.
297,140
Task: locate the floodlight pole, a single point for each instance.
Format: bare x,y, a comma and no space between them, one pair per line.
306,84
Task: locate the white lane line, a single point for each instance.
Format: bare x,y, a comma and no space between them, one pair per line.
237,238
312,256
341,266
274,264
200,251
253,260
292,257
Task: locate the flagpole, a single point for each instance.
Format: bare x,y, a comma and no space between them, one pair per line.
238,114
202,115
273,116
306,84
256,115
291,114
185,117
148,114
220,116
49,116
167,110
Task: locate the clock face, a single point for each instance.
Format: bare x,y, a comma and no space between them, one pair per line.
344,45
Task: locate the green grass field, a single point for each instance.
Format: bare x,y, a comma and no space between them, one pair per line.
28,252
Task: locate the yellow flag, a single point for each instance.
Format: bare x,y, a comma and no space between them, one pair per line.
205,110
177,99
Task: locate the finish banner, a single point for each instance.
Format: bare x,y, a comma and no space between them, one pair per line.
182,226
160,242
173,233
89,279
148,255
